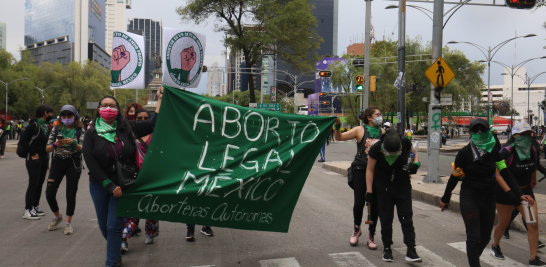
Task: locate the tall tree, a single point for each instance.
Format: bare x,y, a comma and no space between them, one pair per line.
284,28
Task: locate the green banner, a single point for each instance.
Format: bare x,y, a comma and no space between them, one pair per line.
217,164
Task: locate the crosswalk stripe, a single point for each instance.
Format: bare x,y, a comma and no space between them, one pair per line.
350,259
488,258
429,258
286,262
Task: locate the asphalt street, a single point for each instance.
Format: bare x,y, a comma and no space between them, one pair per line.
318,236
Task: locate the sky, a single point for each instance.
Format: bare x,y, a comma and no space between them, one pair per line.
483,25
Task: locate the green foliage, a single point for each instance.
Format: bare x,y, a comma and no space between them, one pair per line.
283,28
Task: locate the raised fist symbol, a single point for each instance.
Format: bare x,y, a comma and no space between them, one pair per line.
120,58
188,58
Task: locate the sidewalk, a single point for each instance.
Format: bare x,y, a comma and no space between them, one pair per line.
11,145
431,193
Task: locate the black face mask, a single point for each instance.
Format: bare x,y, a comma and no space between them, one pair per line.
48,118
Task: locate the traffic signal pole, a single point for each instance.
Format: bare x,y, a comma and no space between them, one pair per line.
368,23
434,111
402,66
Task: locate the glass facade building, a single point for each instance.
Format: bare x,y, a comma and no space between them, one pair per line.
153,41
49,19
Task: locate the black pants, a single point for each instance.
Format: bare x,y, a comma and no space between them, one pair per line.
3,140
37,170
544,148
18,134
71,167
478,213
386,202
359,184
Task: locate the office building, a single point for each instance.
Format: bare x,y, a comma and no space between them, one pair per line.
153,42
3,35
115,20
356,49
223,89
213,83
64,30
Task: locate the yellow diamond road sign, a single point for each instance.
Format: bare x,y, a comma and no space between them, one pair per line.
439,73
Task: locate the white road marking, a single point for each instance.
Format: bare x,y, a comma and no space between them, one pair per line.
488,258
286,262
429,258
350,259
331,173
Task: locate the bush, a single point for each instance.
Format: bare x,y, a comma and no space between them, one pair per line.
420,132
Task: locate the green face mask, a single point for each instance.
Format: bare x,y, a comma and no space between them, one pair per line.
485,141
523,146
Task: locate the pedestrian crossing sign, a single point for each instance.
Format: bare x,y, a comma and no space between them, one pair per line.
439,73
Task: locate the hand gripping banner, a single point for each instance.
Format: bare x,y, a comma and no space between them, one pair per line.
217,164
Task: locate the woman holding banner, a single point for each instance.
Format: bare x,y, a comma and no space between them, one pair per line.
111,135
365,137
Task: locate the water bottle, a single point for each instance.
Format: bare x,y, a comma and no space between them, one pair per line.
411,158
528,213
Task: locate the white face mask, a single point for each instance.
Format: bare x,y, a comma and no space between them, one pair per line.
378,121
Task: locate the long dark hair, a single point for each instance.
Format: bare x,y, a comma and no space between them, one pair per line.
365,113
77,123
40,111
122,124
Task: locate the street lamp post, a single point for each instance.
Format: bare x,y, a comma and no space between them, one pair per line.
6,84
489,53
43,90
295,78
529,81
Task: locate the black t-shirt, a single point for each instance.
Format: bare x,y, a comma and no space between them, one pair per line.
384,172
479,176
522,170
86,123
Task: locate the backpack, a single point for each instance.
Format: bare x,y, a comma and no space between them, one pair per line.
511,158
77,134
21,152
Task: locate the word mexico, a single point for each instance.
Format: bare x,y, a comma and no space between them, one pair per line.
218,164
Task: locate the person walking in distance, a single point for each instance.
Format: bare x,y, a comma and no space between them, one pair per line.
33,142
481,165
365,136
111,135
3,137
65,142
8,129
392,160
19,128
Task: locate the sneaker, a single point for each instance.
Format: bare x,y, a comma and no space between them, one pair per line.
506,234
118,262
54,222
536,262
149,239
411,255
496,251
371,242
124,246
540,244
1,157
137,230
68,229
190,236
206,230
38,211
356,234
387,254
30,215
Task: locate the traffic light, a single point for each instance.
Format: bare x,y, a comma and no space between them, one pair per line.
360,82
325,74
205,68
373,79
521,4
326,102
323,94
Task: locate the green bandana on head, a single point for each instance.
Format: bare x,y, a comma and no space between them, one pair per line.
390,157
106,131
523,146
43,125
68,133
485,141
374,131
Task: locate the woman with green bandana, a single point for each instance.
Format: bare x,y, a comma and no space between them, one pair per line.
392,187
33,143
521,160
65,142
365,137
111,135
482,165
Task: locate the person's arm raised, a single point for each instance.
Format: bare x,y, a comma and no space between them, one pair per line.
352,134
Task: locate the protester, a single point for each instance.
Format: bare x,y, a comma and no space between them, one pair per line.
3,137
389,160
131,110
86,122
66,161
130,225
18,129
387,125
481,165
190,235
520,158
111,135
33,142
408,133
8,130
365,137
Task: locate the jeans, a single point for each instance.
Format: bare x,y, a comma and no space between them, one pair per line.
387,200
37,170
478,213
110,225
359,184
71,167
3,141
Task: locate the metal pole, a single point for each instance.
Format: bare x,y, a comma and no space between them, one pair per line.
364,101
512,101
295,92
489,97
528,112
435,117
6,100
401,65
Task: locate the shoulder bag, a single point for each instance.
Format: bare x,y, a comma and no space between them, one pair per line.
126,171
